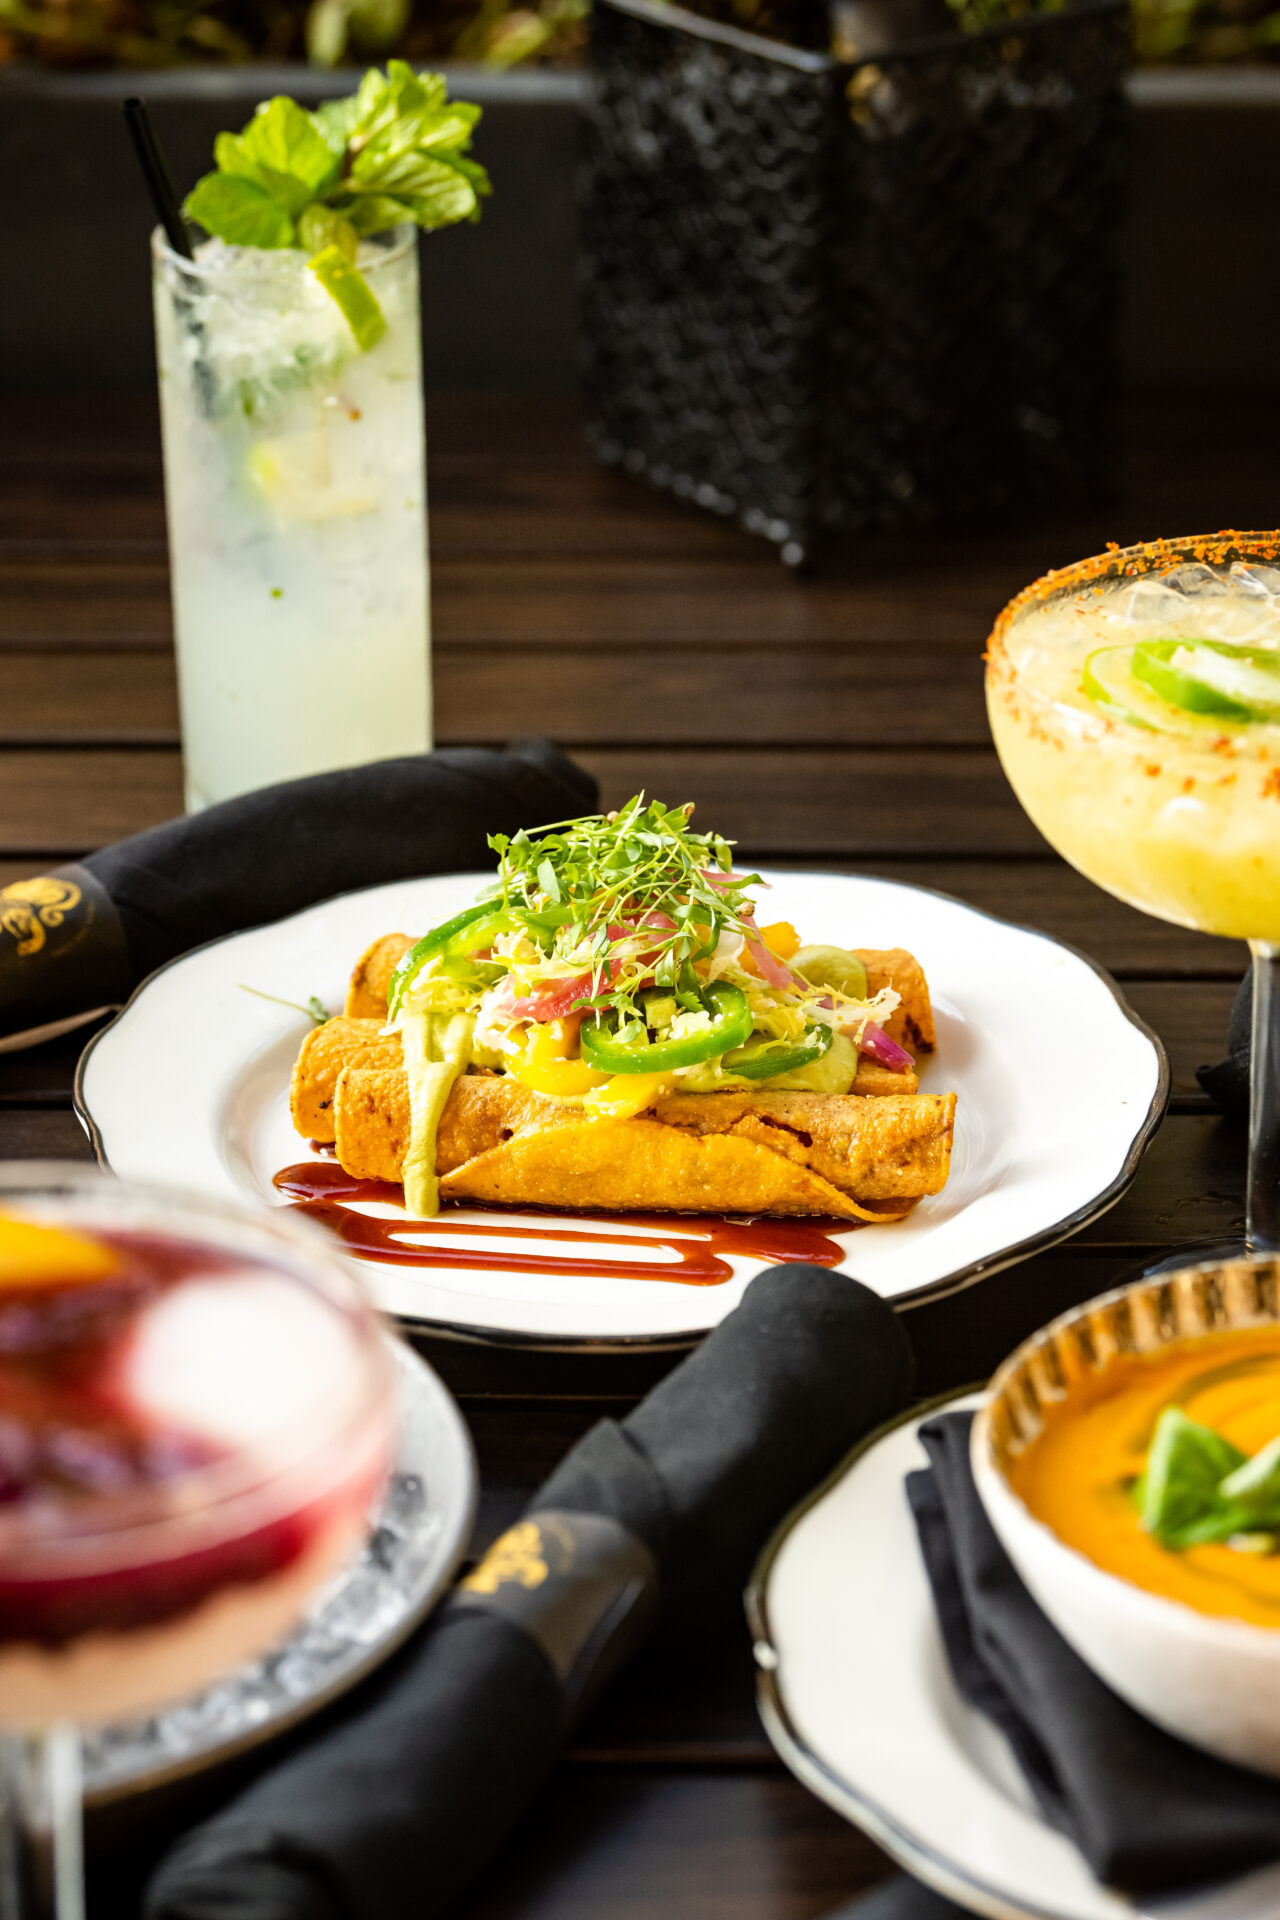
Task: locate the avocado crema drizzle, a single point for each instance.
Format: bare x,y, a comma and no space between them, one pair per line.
1198,1489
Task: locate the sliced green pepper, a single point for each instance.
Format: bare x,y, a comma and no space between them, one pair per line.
765,1058
610,1052
465,934
1212,677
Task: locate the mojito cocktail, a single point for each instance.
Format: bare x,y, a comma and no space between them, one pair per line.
1135,704
296,490
291,396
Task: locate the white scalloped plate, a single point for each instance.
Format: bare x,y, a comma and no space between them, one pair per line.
1060,1088
856,1695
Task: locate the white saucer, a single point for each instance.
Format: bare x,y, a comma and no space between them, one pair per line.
857,1697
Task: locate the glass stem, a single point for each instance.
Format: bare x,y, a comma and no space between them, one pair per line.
1263,1218
41,1846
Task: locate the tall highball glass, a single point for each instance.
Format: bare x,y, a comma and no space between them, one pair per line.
196,1410
296,491
1135,704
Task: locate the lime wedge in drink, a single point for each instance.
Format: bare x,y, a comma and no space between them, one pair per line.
1108,680
343,281
294,474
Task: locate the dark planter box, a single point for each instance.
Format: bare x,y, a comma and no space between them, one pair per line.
825,299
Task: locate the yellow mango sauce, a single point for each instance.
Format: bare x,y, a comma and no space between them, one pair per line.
1077,1475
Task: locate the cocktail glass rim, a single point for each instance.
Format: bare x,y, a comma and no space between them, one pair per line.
264,263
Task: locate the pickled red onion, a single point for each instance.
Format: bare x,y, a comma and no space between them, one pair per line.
877,1045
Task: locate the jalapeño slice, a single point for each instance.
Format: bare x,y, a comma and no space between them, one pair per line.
467,932
1211,677
611,1052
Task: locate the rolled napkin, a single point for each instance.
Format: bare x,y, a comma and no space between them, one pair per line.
1227,1083
1149,1813
82,937
391,1811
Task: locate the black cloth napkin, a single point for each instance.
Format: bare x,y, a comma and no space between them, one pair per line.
86,934
1149,1813
1227,1083
394,1808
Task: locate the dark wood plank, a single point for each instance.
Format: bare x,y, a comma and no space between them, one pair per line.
88,698
36,1134
773,802
810,697
806,696
1052,896
511,473
67,801
1191,1019
705,1846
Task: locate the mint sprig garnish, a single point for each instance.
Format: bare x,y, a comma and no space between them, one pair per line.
396,150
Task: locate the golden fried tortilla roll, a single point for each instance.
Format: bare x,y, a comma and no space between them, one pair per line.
911,1022
796,1153
872,1080
339,1043
367,994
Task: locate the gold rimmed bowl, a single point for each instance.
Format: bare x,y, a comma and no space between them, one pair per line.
1210,1679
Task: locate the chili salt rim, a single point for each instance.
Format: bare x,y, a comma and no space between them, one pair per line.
1119,563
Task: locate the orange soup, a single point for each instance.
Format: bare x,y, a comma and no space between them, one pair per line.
1078,1476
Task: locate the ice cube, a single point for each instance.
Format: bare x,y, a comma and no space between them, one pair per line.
238,1356
1147,603
1261,583
366,1608
1195,577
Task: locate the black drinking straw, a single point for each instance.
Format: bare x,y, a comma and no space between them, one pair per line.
155,171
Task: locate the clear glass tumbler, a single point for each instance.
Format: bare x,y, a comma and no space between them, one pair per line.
295,483
196,1410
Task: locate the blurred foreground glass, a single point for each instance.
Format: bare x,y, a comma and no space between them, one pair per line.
195,1414
296,490
1171,805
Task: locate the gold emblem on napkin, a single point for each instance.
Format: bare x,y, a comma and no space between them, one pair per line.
29,906
515,1558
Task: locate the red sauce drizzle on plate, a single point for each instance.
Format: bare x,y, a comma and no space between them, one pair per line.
322,1191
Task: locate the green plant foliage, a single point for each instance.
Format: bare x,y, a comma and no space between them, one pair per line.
502,33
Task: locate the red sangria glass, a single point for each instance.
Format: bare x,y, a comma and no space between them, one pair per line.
196,1411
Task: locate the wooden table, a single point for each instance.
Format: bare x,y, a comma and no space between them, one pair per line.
835,722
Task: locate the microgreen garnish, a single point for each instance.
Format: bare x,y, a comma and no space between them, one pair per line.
396,150
632,898
315,1009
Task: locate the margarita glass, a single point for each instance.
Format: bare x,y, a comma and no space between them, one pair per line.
1135,704
195,1413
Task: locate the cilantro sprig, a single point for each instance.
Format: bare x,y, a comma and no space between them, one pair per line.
396,150
581,889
